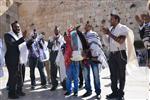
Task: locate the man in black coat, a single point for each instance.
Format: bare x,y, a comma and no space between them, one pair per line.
12,41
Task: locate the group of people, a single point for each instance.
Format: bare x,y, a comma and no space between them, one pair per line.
73,54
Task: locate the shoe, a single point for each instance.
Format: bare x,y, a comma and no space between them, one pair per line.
44,86
67,93
87,94
13,96
111,96
75,94
80,86
98,96
32,87
63,84
21,94
120,98
53,88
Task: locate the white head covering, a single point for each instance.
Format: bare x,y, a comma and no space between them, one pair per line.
115,12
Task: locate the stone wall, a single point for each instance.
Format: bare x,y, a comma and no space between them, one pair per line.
8,14
45,14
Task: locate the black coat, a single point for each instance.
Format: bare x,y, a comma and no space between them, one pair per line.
12,47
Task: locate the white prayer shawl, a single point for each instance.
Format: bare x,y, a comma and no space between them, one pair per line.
61,63
2,56
132,66
147,7
22,48
96,48
1,59
45,51
23,53
56,45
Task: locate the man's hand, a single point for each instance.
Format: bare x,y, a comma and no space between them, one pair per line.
139,20
120,39
105,30
24,34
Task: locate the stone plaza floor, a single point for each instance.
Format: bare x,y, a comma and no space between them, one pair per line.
134,90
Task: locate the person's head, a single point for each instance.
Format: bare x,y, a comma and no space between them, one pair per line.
114,20
88,27
15,27
145,17
34,36
56,31
43,35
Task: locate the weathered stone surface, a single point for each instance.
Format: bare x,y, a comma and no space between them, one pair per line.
45,14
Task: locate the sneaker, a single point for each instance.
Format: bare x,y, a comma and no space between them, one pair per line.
87,94
44,86
53,88
32,87
75,94
67,93
111,96
98,96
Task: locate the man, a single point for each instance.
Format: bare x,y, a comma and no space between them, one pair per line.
91,53
54,46
116,37
12,40
35,59
84,46
72,70
144,30
46,55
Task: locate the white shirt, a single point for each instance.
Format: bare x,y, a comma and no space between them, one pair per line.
117,31
56,45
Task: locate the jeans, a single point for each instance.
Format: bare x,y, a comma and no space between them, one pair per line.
33,62
96,76
72,74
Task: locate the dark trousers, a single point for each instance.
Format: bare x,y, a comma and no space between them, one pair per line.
33,62
15,81
80,73
53,55
22,71
117,65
